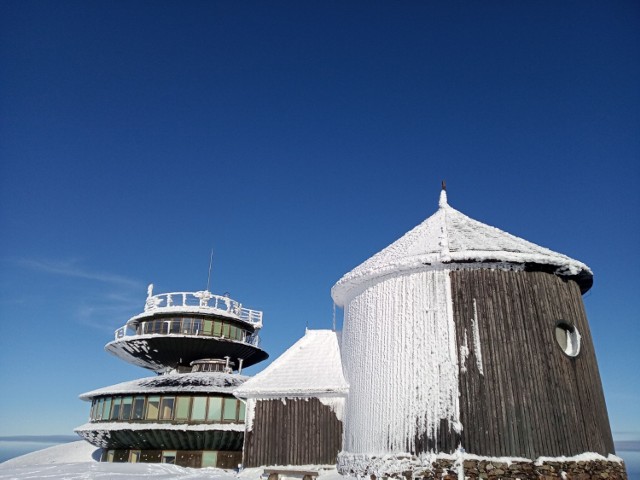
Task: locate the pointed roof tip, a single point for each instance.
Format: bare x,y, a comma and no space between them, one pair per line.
449,236
443,198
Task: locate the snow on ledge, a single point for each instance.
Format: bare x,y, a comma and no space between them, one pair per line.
364,465
583,457
184,427
201,382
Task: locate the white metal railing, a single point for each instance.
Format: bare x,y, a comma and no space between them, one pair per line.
203,300
166,329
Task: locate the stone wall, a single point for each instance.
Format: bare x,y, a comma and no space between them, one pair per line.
493,470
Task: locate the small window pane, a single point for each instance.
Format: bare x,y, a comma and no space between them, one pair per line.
229,414
186,326
134,456
225,330
97,412
208,325
174,326
169,456
166,408
199,409
138,408
182,408
126,408
107,408
241,411
209,459
217,328
115,409
568,338
152,408
215,409
197,326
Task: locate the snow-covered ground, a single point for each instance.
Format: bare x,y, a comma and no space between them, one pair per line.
78,461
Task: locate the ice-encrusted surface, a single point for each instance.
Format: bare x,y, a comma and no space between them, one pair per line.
364,466
400,359
99,433
202,382
450,236
311,366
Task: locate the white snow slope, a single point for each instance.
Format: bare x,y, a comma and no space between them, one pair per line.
75,461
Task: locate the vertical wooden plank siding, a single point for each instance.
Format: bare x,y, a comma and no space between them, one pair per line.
532,400
293,432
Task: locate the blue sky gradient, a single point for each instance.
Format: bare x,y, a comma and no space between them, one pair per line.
296,139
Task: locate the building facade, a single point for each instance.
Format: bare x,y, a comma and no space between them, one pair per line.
295,406
479,343
197,344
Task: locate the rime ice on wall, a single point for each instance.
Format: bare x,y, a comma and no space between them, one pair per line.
400,360
399,349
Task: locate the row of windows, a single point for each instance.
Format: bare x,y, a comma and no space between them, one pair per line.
193,326
168,408
184,458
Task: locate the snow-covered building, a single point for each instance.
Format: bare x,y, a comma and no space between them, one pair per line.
463,348
462,337
197,343
295,406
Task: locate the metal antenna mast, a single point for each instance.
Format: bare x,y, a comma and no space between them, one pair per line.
210,263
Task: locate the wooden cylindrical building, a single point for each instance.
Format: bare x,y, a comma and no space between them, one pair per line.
462,337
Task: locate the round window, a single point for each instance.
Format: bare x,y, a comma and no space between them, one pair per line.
568,338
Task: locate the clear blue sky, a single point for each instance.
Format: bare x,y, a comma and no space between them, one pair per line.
296,139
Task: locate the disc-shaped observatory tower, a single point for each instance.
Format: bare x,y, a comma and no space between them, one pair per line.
197,343
462,336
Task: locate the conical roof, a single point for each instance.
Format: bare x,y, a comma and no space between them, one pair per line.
448,236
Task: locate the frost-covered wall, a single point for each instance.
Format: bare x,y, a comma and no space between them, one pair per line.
400,359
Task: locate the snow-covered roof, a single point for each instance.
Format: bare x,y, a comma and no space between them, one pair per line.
201,382
448,236
310,367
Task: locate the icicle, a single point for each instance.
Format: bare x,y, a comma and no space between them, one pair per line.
477,349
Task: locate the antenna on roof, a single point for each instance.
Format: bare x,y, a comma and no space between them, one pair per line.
210,263
444,185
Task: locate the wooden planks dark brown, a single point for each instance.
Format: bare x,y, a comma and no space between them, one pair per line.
293,432
533,399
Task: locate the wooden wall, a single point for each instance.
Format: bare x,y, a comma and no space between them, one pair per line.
533,399
300,432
